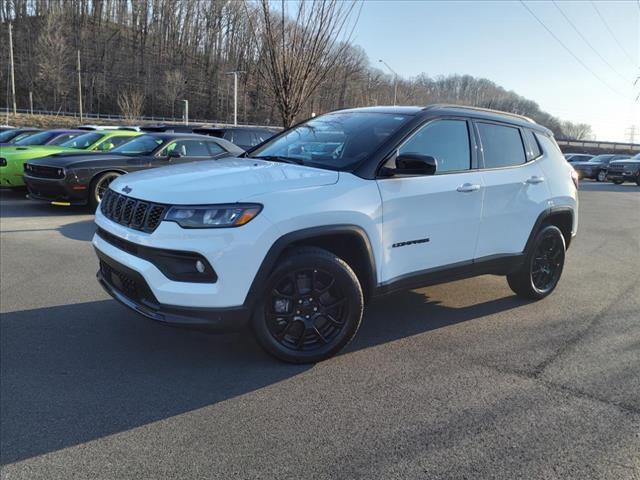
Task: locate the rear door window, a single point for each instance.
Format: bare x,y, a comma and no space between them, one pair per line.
502,145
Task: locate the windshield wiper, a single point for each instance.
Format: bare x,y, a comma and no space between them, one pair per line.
279,158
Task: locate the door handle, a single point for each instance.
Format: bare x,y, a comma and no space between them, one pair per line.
534,180
468,187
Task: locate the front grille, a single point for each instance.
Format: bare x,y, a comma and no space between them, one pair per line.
615,168
121,281
3,162
133,213
131,284
43,171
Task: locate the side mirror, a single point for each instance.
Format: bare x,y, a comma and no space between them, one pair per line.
415,164
174,154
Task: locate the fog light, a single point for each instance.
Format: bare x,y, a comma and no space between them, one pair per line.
200,266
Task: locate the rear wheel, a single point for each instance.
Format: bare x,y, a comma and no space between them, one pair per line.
311,307
99,186
539,275
602,176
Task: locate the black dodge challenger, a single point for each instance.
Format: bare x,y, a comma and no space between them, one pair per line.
81,179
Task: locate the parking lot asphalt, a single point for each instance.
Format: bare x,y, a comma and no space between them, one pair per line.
462,380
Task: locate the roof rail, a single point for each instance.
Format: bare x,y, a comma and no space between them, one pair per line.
479,109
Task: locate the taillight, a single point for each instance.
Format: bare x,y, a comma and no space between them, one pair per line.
574,177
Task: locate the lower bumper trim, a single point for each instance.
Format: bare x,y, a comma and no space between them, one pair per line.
209,319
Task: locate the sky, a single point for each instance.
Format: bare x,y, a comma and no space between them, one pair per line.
502,41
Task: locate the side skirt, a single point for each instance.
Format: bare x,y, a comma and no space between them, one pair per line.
492,265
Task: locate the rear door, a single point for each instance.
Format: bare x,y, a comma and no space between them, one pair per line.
516,191
432,221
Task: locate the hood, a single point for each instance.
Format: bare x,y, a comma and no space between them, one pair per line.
35,151
584,164
628,161
219,181
68,159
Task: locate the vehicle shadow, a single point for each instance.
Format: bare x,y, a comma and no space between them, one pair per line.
14,203
75,373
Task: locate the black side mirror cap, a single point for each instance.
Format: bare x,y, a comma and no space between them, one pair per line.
415,164
174,154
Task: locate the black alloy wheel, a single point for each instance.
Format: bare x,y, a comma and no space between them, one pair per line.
547,262
542,267
306,310
311,308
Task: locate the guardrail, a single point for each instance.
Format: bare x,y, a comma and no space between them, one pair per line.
114,117
595,146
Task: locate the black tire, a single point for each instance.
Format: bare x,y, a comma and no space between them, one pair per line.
98,185
601,176
292,325
638,180
542,268
618,182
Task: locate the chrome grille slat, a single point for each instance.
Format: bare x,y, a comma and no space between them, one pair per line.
133,213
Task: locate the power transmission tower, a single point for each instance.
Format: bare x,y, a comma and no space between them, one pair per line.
631,133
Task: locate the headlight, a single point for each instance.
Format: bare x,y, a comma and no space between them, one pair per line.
213,216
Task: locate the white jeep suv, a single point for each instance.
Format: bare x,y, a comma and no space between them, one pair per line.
295,236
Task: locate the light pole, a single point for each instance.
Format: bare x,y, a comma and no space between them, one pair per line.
186,112
395,81
235,94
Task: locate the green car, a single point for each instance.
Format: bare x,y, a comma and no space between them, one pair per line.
12,158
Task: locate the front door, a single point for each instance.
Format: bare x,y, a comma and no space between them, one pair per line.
432,222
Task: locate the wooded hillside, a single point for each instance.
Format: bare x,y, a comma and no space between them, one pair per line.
154,53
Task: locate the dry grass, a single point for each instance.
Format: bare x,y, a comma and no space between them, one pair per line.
50,121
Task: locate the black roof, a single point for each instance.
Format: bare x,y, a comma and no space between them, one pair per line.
445,109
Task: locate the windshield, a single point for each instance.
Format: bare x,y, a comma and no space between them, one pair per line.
143,145
35,139
337,141
601,159
12,136
83,141
8,135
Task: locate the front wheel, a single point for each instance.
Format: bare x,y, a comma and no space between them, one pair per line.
99,186
311,307
602,176
543,265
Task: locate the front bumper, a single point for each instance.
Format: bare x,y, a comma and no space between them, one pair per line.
623,176
56,191
10,176
130,289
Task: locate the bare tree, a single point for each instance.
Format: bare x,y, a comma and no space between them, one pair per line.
299,53
131,104
53,59
576,131
174,82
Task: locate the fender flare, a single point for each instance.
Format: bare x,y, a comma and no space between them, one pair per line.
288,239
541,220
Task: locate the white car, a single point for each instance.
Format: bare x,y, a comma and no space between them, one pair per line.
298,234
